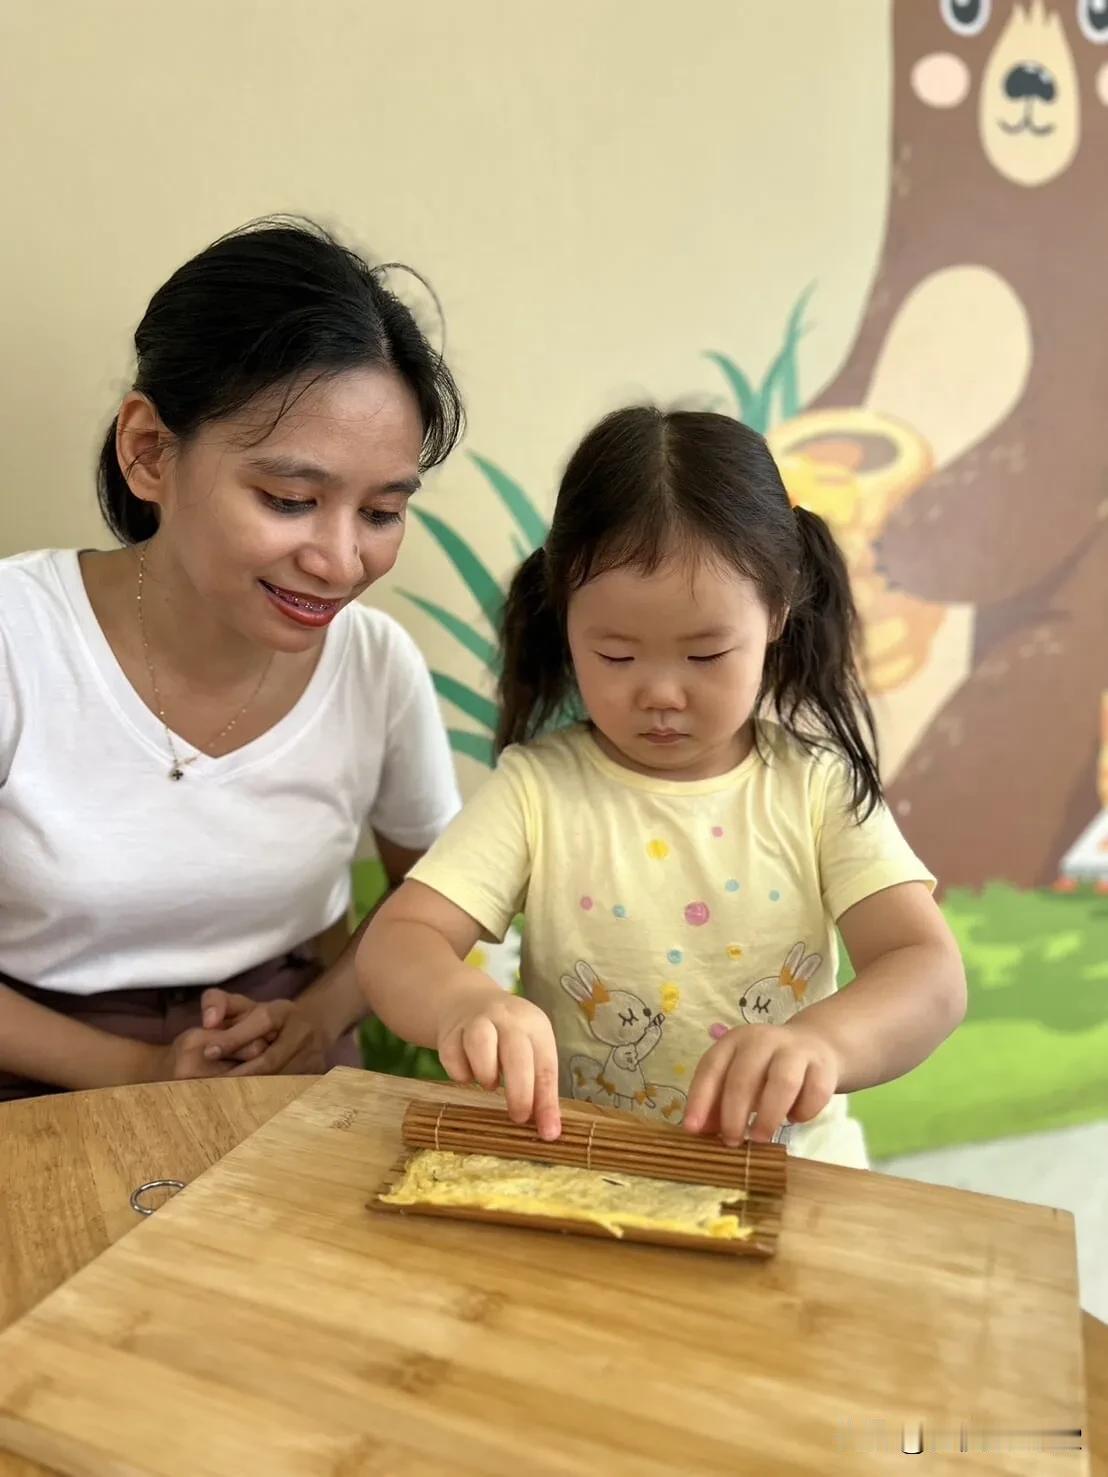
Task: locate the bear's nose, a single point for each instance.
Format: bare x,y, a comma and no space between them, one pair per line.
1030,80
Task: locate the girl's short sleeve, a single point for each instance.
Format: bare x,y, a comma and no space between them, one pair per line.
482,863
859,858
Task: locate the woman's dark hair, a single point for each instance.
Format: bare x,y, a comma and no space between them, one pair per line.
644,484
278,304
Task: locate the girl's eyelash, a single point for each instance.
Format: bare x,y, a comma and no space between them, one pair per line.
292,506
619,660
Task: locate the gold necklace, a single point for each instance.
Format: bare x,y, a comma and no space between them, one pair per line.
177,769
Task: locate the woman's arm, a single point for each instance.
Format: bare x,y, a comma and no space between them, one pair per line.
908,994
325,1011
46,1046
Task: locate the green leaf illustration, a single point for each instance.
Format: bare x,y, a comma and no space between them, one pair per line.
748,399
481,647
478,581
782,375
473,745
528,519
473,704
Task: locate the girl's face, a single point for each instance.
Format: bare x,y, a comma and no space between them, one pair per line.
669,665
274,537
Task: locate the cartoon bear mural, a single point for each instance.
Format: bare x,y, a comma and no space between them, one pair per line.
986,339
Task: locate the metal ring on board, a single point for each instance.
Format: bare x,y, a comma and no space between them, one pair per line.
136,1196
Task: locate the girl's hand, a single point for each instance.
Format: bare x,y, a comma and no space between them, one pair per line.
489,1036
779,1072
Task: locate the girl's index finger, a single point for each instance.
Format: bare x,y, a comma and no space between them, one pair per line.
517,1072
548,1109
706,1087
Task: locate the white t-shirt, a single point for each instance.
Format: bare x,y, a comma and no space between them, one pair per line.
113,876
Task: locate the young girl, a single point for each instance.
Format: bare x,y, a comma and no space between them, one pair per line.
684,855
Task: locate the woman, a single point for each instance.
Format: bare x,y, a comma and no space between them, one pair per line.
196,728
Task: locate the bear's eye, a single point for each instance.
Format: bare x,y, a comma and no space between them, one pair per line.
1092,17
967,17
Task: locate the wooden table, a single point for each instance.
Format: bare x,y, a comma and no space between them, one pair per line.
68,1165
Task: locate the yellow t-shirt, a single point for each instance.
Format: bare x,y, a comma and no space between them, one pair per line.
661,913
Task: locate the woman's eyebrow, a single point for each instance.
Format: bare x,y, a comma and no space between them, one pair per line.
294,469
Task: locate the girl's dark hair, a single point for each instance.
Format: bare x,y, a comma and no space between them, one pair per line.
645,483
278,304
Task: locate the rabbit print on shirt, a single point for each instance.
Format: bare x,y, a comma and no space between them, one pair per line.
777,998
630,1030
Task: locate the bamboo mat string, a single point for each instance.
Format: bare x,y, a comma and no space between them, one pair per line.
745,1201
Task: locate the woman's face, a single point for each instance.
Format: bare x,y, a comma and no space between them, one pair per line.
276,535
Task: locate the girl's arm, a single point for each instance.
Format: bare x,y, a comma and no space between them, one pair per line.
411,968
411,962
909,991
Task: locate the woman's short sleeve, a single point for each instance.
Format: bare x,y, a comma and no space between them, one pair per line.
482,863
10,709
418,791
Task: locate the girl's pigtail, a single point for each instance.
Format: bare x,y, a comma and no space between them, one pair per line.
535,665
812,669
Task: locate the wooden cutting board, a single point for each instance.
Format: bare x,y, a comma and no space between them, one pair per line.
265,1321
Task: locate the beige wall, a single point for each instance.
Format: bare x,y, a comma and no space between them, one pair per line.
600,191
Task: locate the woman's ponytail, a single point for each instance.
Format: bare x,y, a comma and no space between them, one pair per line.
132,520
812,672
535,673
